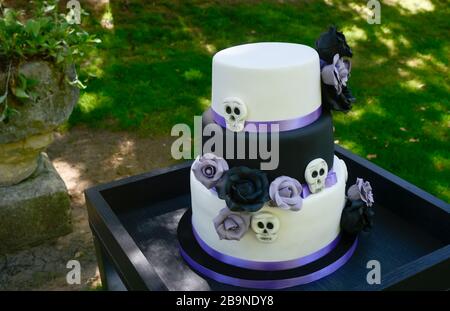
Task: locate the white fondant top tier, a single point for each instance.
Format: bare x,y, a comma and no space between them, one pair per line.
276,81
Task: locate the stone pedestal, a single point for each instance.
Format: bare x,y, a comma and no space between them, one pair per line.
35,210
34,204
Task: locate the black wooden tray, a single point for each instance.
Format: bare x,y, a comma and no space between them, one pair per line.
134,222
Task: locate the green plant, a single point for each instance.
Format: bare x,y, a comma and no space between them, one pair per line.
46,35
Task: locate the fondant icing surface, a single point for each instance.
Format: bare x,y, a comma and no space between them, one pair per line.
296,148
299,233
276,81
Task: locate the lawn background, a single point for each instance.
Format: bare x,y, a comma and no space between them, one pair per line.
153,70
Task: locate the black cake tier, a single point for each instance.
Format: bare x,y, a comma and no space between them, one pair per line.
296,148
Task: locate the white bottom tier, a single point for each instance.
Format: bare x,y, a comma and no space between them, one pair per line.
301,233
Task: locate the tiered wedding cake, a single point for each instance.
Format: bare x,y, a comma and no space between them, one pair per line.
268,192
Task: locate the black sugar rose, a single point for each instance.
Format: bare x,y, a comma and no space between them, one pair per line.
331,43
244,189
336,95
357,217
359,211
338,102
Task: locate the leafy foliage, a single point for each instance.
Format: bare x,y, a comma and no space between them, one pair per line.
46,35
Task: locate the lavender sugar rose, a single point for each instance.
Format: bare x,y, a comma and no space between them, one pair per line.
208,169
285,193
231,225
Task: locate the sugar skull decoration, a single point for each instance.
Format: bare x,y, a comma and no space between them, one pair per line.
316,174
235,113
266,227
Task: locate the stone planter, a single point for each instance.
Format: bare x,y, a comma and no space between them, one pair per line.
28,133
23,138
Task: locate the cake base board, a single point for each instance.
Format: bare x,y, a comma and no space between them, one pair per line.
210,267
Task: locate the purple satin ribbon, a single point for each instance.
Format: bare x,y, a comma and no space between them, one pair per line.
266,266
270,284
283,125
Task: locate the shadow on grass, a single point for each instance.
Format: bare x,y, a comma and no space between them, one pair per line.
146,81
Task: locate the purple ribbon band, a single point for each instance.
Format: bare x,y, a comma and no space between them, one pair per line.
270,284
264,265
283,125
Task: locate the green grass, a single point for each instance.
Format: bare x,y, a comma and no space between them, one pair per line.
154,70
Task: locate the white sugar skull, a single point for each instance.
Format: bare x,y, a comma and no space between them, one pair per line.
235,113
266,227
315,174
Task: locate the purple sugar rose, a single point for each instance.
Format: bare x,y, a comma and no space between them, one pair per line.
285,193
231,225
208,169
361,190
337,73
